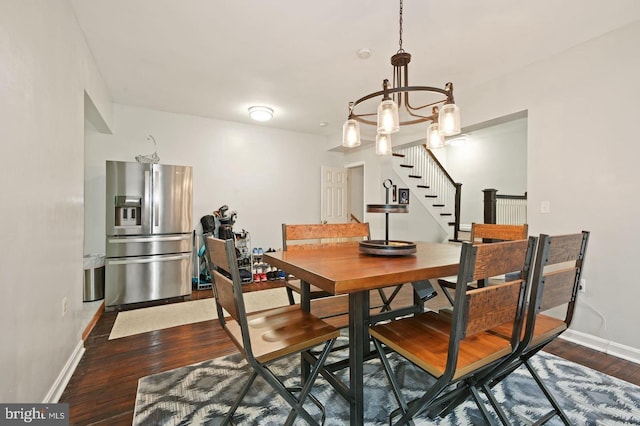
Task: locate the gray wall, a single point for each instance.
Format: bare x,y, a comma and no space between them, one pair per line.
45,71
492,157
582,157
268,176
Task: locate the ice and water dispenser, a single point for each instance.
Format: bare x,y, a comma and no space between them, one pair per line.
127,210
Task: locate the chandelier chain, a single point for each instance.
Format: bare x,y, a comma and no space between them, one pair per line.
401,7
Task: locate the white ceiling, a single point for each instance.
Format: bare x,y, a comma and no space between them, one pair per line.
216,58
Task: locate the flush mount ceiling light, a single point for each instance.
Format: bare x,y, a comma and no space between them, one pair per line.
261,113
436,106
458,140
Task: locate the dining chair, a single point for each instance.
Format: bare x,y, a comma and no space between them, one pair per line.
556,276
312,236
454,350
265,336
482,233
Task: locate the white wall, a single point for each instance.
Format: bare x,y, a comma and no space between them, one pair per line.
582,158
492,157
45,69
268,176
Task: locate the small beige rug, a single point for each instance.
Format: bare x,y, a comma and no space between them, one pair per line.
153,318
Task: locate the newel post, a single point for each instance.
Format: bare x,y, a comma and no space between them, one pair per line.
490,197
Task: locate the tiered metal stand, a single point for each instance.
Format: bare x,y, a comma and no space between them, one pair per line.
387,247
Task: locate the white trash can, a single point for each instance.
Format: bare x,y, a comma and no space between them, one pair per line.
93,288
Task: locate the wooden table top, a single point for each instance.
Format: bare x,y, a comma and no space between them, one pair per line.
340,270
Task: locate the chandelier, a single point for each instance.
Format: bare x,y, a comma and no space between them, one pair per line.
396,110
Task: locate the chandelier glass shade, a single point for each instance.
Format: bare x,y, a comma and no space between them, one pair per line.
435,139
383,144
435,106
388,117
351,133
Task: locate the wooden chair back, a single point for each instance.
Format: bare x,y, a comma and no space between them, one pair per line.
481,309
491,232
227,286
556,280
304,237
556,277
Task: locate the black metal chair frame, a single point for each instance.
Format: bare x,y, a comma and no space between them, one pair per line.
552,250
220,273
441,392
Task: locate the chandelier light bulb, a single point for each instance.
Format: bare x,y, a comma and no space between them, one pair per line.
383,144
351,133
388,118
449,119
434,137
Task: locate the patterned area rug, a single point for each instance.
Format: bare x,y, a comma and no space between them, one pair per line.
202,393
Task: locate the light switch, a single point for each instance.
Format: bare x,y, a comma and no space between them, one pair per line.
545,207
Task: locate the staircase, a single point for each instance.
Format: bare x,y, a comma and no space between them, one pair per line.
431,185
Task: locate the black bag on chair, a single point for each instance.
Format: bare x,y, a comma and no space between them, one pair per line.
208,224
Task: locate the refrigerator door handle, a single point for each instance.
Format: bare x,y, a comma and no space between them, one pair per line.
149,259
156,201
149,239
148,202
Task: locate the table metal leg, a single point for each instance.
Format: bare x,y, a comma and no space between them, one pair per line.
305,296
305,304
358,346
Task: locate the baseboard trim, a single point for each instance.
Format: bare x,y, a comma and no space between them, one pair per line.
93,322
63,378
602,345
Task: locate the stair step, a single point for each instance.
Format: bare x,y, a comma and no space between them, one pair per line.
423,186
406,166
438,205
415,176
395,154
431,196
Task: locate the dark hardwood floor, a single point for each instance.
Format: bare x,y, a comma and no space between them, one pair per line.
103,387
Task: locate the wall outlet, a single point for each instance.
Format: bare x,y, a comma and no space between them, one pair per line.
64,306
582,285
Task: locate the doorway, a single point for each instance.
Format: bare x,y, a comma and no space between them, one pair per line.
355,177
342,194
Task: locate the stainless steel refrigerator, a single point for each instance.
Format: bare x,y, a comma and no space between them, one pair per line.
148,232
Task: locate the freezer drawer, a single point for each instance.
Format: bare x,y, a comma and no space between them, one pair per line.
147,278
148,245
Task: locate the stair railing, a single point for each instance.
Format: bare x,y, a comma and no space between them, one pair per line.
451,189
444,192
504,209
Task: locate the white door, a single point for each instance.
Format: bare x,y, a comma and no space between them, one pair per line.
334,189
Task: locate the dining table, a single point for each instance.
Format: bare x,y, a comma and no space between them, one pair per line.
345,269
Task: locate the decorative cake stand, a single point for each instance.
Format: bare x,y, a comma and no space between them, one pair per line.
387,247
